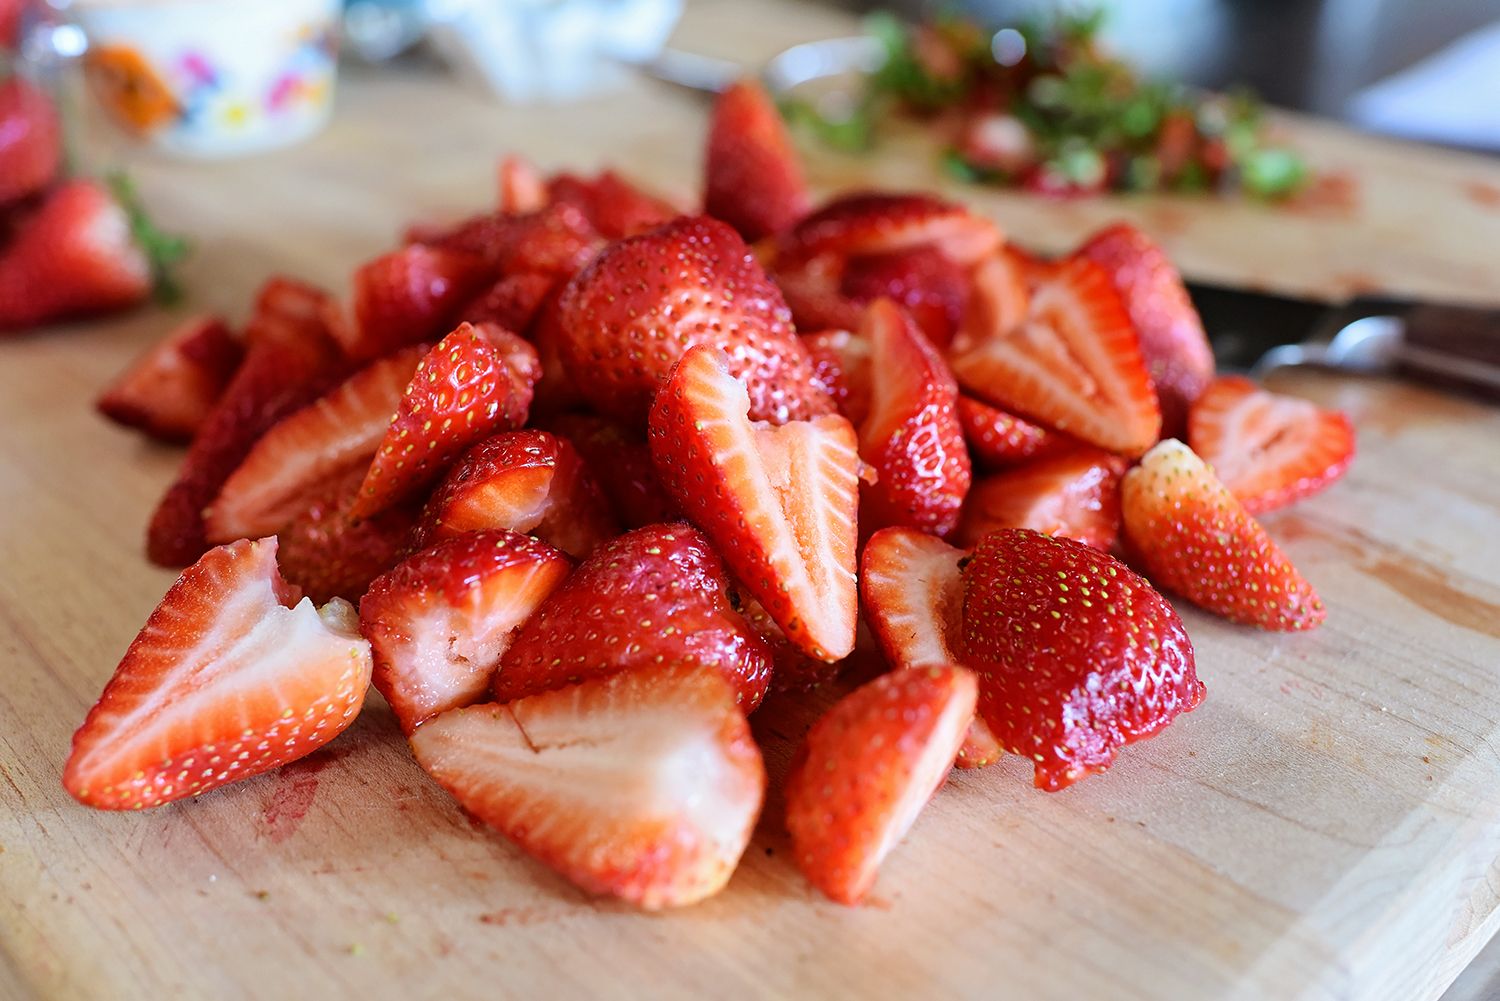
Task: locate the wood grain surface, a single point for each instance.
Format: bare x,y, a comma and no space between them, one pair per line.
1326,825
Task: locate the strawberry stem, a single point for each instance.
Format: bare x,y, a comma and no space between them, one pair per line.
163,250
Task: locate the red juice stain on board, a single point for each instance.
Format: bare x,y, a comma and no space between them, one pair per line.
297,785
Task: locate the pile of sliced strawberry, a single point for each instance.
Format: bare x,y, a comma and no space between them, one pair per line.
596,493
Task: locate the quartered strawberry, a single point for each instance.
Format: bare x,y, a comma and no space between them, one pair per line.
297,455
887,222
1268,449
556,239
912,597
521,186
30,139
527,481
998,439
630,315
513,302
616,207
328,553
842,363
752,177
621,463
441,619
923,280
475,382
1077,654
1075,494
1193,537
169,391
657,595
231,676
777,502
410,295
74,255
1074,365
912,436
643,785
1173,343
866,770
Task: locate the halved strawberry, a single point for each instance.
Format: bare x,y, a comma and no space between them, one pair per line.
441,619
334,433
1077,654
328,553
527,481
842,363
475,382
630,315
912,436
866,770
752,176
621,463
912,598
886,222
1075,364
1173,343
778,502
1075,494
231,676
999,298
812,291
922,280
1268,449
616,207
657,595
409,295
513,302
521,186
169,391
556,239
999,440
1193,537
645,785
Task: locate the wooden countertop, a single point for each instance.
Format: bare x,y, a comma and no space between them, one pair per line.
1326,825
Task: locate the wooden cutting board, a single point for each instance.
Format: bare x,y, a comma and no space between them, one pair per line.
1326,825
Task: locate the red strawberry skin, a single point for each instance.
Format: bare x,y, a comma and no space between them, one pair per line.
866,223
923,280
231,676
621,463
842,362
1075,494
556,240
998,439
752,177
1173,343
411,295
657,595
329,554
73,256
1194,538
616,207
1077,654
30,139
513,302
630,315
866,770
170,390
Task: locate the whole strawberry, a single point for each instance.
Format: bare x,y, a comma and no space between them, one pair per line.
30,143
1077,654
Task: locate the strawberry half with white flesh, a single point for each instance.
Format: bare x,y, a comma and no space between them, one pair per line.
912,596
170,390
643,785
1193,537
441,619
779,503
1074,364
866,770
1077,654
231,676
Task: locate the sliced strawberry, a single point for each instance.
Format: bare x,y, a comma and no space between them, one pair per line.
912,436
1193,537
1034,270
841,362
1075,363
521,186
644,785
169,391
621,463
440,620
1268,449
752,176
922,280
30,138
556,239
778,502
555,390
999,440
475,382
288,312
1078,655
513,302
1075,495
527,481
812,291
867,769
888,222
231,676
616,207
912,597
1000,294
411,295
792,669
657,595
326,438
328,553
631,314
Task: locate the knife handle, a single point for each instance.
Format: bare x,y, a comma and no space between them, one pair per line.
1455,347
